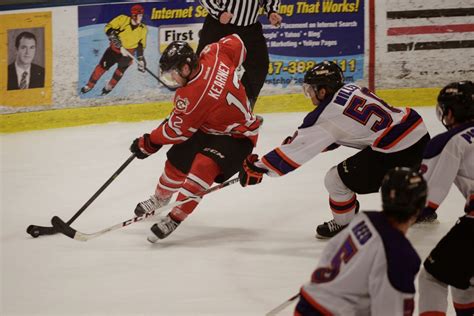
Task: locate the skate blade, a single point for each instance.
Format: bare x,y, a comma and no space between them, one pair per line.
152,239
318,236
421,224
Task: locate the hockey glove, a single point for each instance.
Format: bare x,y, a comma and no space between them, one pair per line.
114,39
143,147
141,63
250,174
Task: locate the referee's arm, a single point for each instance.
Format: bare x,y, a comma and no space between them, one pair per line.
213,8
271,6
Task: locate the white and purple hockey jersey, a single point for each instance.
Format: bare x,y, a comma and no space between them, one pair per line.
369,268
448,158
354,117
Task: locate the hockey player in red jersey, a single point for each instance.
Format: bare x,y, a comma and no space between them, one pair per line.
448,159
352,116
211,127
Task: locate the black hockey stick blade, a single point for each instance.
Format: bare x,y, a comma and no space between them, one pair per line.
62,227
35,231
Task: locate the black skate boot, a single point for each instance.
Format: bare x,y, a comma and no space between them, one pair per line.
328,229
163,228
85,89
105,91
153,203
427,219
331,228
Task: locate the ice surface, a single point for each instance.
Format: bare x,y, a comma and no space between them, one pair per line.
242,252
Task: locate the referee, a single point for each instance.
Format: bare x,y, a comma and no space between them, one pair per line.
240,16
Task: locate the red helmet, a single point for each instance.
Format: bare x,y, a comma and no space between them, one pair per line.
137,9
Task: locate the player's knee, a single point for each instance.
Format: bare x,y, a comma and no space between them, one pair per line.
334,184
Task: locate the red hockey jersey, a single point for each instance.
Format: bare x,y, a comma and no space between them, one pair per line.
214,101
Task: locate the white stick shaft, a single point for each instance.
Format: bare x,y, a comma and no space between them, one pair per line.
84,236
282,306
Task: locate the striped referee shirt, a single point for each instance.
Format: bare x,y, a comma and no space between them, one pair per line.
245,12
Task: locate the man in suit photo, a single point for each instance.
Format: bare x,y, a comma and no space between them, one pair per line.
23,73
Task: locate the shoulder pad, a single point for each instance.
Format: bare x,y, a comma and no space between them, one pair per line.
403,263
437,143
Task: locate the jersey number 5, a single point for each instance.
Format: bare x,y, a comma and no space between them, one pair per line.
344,254
361,111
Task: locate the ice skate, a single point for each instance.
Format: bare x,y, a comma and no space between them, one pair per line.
105,91
328,229
428,219
85,89
153,203
163,228
331,228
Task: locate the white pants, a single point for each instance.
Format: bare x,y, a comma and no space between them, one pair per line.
433,295
339,194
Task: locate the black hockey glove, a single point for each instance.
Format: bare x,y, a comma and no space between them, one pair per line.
143,147
114,39
250,174
141,63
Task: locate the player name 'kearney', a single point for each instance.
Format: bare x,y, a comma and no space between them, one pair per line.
219,81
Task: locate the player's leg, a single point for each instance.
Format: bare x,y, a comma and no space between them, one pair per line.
219,158
180,158
343,203
108,60
169,182
463,300
200,177
449,262
433,295
123,63
361,173
256,63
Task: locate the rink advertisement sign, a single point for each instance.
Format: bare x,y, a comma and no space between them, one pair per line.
25,59
310,32
164,22
314,31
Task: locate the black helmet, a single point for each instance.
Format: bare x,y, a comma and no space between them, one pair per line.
177,54
404,193
325,74
459,98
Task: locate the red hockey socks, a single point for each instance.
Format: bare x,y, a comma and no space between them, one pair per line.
170,181
202,174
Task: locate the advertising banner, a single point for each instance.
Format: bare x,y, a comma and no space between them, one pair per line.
25,59
310,32
100,65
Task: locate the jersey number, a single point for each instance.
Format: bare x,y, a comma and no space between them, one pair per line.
343,255
361,111
232,100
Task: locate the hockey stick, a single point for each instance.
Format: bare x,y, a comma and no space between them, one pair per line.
282,306
35,230
67,230
124,51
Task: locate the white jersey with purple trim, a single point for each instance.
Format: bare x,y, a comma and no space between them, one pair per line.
354,117
369,268
448,158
